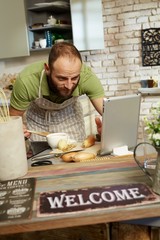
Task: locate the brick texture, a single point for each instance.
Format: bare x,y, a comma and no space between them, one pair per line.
119,65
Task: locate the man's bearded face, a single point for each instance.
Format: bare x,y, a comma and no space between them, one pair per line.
64,76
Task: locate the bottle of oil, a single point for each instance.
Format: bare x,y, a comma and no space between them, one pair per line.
150,82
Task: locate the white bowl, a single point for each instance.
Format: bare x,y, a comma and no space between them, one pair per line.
54,138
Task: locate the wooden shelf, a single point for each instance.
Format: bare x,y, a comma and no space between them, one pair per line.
52,8
56,27
149,91
38,27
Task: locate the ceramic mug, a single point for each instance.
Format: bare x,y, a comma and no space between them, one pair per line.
43,43
144,83
36,43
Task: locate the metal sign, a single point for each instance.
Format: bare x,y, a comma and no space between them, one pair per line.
90,199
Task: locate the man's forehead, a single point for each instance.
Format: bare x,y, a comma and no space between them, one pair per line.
67,75
66,69
67,61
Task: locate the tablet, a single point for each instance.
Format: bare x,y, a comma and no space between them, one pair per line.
120,121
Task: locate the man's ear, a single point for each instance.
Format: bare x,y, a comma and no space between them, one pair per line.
46,67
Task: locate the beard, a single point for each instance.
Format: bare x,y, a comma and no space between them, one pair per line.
60,91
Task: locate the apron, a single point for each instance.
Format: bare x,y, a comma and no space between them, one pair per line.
44,115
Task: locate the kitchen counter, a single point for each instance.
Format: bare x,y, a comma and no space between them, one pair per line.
102,172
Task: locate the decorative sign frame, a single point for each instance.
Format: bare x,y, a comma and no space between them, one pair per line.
92,199
150,46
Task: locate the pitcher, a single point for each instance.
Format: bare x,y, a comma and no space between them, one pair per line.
148,157
13,158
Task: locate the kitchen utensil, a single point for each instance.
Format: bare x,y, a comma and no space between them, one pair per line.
13,157
51,155
41,163
44,156
44,134
4,109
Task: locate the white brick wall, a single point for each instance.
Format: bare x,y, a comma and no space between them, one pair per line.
121,58
119,66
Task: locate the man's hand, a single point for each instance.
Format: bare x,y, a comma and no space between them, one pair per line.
26,133
99,125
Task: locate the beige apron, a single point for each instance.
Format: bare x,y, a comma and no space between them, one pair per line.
44,115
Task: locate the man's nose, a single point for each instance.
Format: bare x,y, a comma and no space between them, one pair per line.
68,84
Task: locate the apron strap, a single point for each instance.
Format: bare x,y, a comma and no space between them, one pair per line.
41,78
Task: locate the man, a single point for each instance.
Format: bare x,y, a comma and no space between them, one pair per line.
48,93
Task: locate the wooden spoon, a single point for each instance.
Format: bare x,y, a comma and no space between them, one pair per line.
44,134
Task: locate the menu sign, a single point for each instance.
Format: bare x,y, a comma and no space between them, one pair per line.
16,198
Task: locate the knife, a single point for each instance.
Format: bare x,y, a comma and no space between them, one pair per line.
46,156
51,155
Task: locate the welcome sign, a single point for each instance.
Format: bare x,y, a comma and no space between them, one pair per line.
69,201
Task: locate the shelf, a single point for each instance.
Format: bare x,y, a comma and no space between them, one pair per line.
56,27
47,48
51,8
39,49
39,14
149,90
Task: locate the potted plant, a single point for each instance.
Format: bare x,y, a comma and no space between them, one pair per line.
152,128
152,125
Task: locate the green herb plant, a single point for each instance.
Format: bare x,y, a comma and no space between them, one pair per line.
152,125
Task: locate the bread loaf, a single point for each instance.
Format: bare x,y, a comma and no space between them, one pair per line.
89,141
68,157
81,156
77,157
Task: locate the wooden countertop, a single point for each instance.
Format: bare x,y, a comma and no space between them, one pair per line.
102,172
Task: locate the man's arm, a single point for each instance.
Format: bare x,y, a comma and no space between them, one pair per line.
98,104
15,112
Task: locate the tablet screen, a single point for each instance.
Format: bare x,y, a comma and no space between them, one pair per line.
120,121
